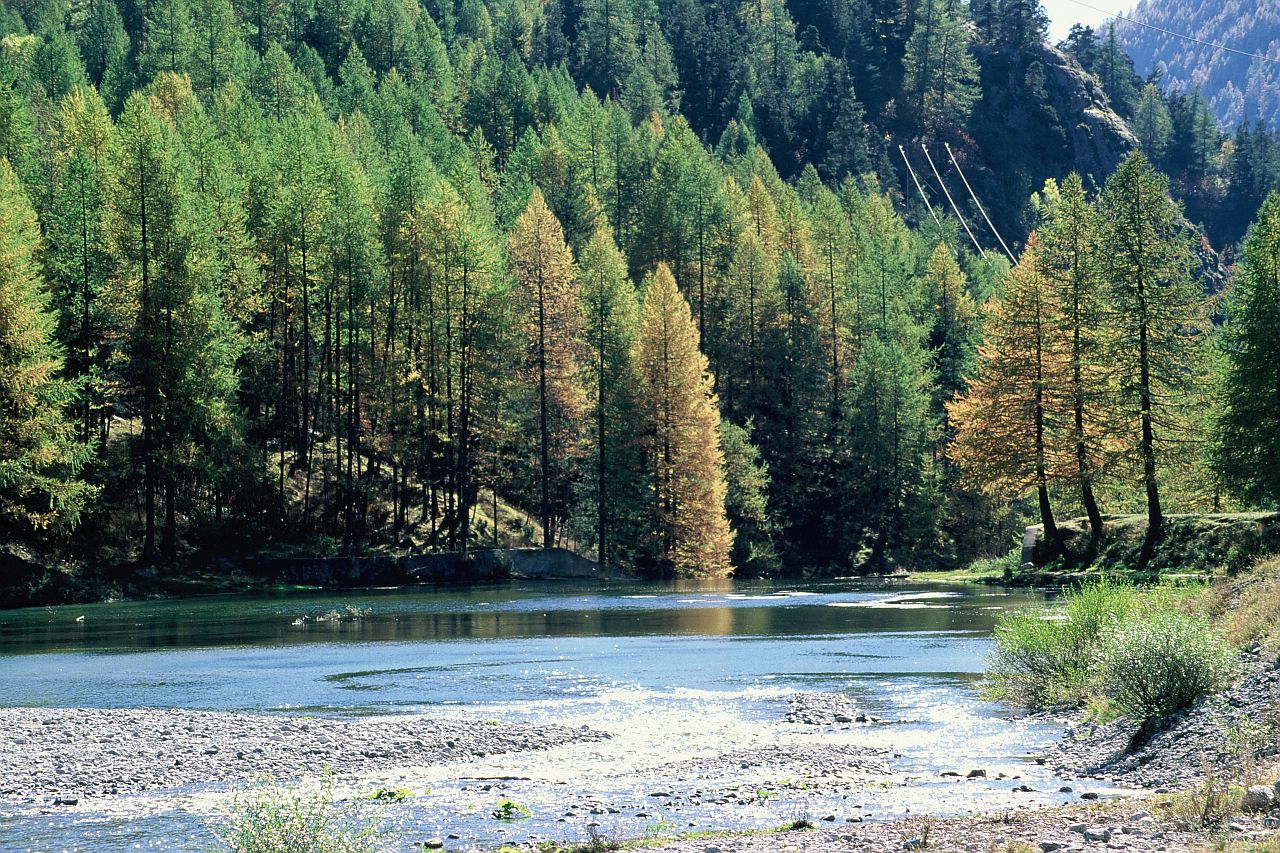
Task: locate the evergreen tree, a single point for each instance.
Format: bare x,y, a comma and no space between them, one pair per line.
182,349
75,251
680,432
1156,316
1021,23
941,75
888,429
746,501
954,325
606,48
169,40
40,456
102,41
1070,259
1115,71
609,319
1151,123
215,43
1248,441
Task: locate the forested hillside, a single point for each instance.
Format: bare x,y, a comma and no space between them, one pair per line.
1237,88
640,279
1220,165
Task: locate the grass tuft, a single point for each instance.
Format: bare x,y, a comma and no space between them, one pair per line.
272,818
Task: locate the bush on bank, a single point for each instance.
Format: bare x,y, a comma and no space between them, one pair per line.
273,818
1157,664
1142,652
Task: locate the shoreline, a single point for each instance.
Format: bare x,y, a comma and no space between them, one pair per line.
75,761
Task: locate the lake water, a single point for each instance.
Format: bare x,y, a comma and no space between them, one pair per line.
675,672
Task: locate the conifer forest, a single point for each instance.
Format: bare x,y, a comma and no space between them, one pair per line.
690,287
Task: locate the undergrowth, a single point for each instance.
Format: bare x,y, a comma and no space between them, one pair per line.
1119,649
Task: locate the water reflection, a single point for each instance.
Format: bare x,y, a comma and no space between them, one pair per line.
689,607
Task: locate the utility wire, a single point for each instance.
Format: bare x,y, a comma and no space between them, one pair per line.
1120,17
947,192
919,188
981,209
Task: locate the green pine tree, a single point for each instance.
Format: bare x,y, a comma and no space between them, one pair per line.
1248,427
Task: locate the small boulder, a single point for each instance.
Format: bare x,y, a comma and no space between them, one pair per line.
1078,828
1259,798
433,844
1050,846
1089,795
977,774
1099,836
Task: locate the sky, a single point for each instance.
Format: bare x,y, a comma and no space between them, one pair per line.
1064,13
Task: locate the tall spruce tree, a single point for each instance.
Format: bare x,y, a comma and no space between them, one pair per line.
609,320
1248,440
941,74
1070,258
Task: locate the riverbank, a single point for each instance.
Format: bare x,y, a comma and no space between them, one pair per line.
1194,547
628,712
1135,827
29,579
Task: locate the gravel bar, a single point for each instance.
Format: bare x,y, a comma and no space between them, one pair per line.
82,752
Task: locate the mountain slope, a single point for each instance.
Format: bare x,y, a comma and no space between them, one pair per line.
1237,87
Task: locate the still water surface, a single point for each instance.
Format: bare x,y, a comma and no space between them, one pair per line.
674,672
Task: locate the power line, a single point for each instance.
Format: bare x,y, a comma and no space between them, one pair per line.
981,209
947,192
919,188
1214,45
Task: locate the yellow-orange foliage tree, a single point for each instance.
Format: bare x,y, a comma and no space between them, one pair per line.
680,431
1004,422
545,276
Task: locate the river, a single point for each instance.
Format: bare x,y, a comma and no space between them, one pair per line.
681,675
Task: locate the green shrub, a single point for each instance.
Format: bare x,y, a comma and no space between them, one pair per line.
1044,655
1161,662
510,810
271,818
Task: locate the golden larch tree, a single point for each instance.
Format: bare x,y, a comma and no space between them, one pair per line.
1005,421
681,433
545,276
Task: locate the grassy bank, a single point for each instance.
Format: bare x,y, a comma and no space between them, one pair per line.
1142,652
1193,547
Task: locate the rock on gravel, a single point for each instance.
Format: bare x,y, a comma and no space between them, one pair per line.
824,709
809,762
85,751
1259,798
